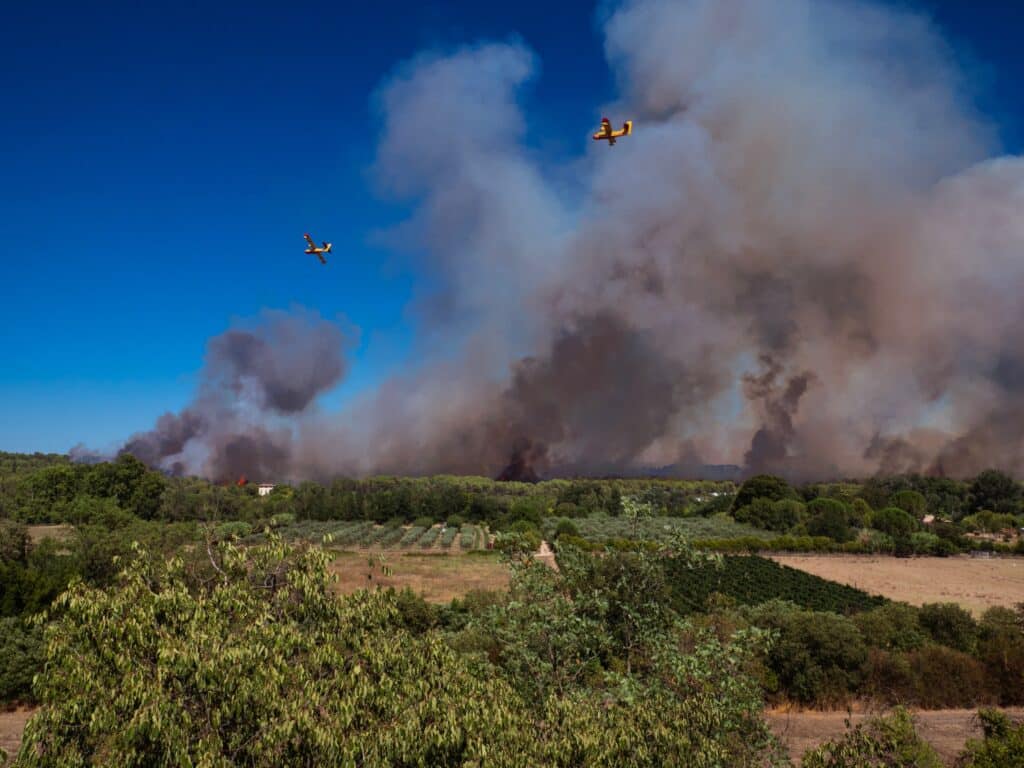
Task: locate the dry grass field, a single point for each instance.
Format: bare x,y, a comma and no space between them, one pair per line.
438,577
11,726
59,532
974,583
947,730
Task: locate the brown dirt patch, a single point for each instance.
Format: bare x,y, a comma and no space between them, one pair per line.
974,583
438,577
947,730
12,724
58,532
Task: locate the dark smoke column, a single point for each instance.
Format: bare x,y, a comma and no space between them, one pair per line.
256,381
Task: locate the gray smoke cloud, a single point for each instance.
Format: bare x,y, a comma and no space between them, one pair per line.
256,379
807,255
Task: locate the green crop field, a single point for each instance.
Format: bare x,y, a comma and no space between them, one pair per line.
366,534
600,528
751,580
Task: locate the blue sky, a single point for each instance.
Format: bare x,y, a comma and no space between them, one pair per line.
159,163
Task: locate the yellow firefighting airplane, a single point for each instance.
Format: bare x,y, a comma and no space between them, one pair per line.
318,251
607,134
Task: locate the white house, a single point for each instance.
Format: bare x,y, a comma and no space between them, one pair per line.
264,489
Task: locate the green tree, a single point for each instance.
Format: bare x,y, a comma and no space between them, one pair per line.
894,522
21,656
253,660
762,487
911,502
950,625
891,627
264,666
830,518
636,511
779,516
996,491
818,658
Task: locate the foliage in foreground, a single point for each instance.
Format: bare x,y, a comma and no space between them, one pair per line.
1002,746
254,661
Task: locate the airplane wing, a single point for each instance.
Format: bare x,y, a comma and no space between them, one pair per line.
321,257
309,240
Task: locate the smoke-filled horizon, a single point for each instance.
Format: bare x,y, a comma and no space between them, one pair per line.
808,259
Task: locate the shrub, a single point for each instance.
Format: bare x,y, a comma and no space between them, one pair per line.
1001,650
944,678
233,530
781,515
886,742
14,542
924,543
1002,747
892,627
21,657
949,624
566,528
818,658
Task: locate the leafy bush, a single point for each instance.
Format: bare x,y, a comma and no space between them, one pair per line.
1002,746
891,627
21,657
945,678
950,625
1001,650
886,742
566,528
780,516
817,658
829,518
233,530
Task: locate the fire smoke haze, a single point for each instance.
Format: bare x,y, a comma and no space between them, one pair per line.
809,257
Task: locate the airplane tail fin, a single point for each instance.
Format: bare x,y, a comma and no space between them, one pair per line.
628,127
327,247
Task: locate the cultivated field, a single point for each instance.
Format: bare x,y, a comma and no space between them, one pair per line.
439,577
367,535
947,730
974,583
601,527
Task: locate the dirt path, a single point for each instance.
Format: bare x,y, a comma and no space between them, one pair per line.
947,730
11,726
546,556
975,583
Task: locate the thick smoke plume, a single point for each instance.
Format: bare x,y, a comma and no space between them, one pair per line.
808,256
254,380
